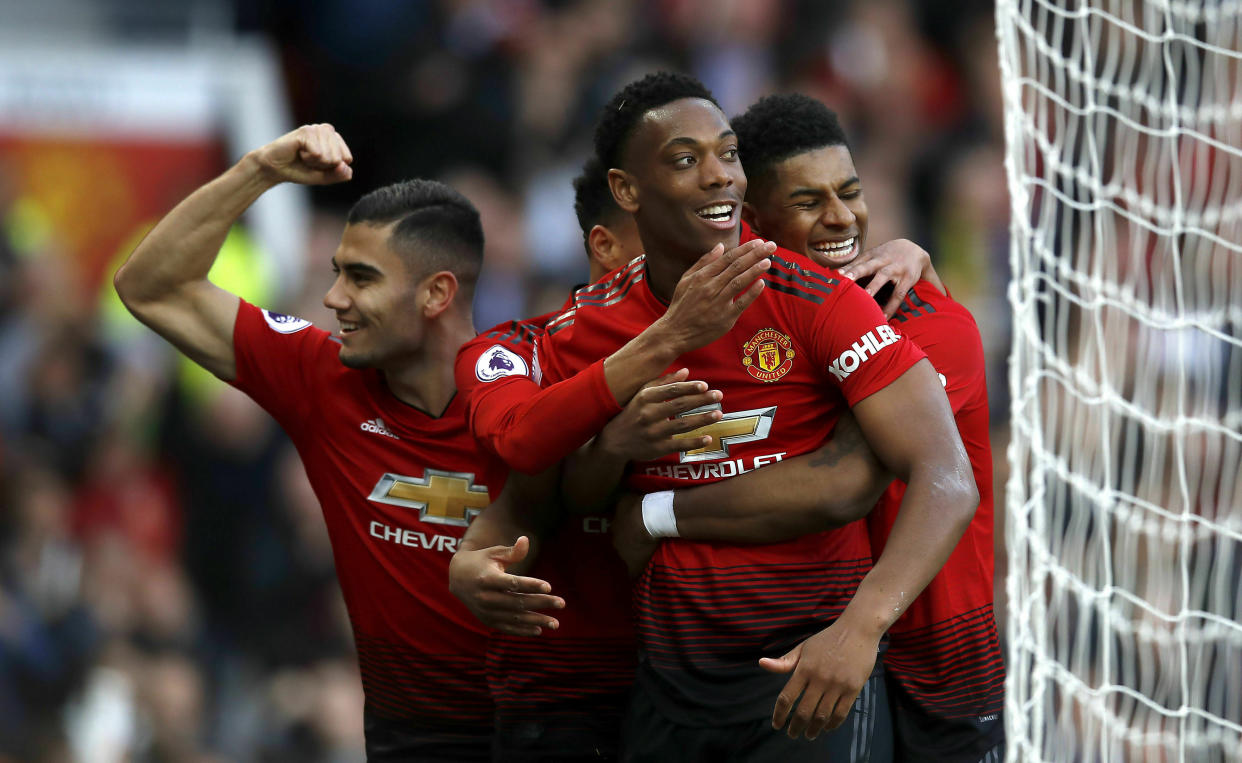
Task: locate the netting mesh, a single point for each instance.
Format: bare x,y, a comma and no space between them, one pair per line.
1124,506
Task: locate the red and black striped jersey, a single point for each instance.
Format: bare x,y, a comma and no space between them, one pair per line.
576,677
397,487
944,649
809,347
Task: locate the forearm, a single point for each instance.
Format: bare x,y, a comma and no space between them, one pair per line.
527,506
930,275
936,510
777,503
640,360
527,427
591,478
182,247
818,491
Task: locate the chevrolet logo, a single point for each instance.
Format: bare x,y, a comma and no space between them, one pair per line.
734,428
446,498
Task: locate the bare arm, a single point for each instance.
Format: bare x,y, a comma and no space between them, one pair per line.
500,545
830,667
831,487
164,281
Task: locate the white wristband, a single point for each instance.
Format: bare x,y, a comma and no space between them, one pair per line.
658,516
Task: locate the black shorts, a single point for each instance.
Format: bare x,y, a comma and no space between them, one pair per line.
865,737
396,741
561,737
921,735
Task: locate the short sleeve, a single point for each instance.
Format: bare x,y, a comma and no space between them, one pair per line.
277,359
860,352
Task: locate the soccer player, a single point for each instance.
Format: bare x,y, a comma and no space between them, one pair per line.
546,709
944,664
810,346
372,411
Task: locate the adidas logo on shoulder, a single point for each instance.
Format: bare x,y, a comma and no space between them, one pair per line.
377,426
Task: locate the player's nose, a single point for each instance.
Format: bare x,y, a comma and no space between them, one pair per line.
336,298
837,214
715,173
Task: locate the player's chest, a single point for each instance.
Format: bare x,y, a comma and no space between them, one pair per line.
432,468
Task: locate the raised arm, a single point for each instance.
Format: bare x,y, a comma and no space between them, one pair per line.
708,300
910,427
527,427
164,281
831,487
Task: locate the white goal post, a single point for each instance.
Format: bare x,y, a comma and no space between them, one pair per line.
1123,123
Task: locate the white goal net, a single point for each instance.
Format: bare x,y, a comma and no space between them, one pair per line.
1123,126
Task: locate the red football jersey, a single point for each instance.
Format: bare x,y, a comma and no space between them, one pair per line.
574,677
397,487
508,412
944,650
809,347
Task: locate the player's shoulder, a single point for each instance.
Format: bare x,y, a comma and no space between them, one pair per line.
274,329
511,334
925,304
607,294
795,276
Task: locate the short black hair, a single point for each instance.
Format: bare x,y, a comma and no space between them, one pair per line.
777,127
593,201
627,107
437,227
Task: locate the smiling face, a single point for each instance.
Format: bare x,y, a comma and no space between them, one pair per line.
376,299
682,180
812,203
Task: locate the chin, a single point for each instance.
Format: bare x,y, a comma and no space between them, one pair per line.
350,360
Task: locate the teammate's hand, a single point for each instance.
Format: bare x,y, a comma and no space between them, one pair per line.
900,262
651,425
829,670
310,155
714,292
630,538
509,603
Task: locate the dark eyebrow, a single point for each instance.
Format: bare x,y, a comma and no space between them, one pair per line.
358,268
687,141
818,192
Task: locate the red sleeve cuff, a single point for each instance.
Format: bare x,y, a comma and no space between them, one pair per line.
533,432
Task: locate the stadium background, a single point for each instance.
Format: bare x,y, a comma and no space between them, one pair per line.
166,586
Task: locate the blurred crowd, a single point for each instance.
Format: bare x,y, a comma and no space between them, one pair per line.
166,585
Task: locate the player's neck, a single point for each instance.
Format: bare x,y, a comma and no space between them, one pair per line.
426,382
667,263
663,273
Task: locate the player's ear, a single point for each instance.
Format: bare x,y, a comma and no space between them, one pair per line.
439,290
604,248
750,218
623,190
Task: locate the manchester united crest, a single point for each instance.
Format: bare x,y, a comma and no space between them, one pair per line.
768,355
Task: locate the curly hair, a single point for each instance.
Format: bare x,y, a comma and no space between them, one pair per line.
777,127
623,112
